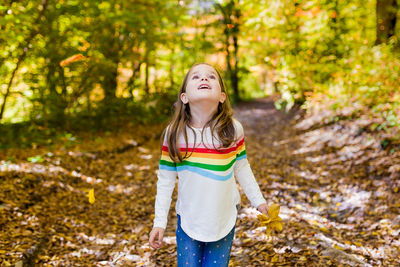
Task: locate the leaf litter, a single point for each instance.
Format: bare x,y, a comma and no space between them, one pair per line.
92,204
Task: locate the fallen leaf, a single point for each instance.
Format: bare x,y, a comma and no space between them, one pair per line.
91,196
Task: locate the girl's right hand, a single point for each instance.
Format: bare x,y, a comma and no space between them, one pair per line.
156,232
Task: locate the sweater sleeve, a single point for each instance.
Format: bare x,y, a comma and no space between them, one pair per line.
166,175
243,172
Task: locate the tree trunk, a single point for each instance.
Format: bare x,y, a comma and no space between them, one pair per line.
231,16
132,79
146,78
234,75
385,20
110,85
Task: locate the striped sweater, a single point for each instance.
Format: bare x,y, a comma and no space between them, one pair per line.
207,190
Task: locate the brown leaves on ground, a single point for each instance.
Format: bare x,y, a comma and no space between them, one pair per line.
93,204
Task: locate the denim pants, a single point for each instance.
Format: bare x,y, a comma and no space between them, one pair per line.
194,253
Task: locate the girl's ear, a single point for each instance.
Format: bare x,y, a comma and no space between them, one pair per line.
223,97
183,98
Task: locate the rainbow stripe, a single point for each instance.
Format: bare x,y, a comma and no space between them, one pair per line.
206,162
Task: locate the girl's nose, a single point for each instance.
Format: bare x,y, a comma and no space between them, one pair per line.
204,78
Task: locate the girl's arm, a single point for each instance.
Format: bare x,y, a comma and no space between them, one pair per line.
244,174
165,186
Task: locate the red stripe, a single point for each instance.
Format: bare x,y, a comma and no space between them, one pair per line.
206,150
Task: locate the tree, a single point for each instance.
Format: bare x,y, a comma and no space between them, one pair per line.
231,16
385,20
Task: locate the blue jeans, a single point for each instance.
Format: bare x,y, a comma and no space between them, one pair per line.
194,253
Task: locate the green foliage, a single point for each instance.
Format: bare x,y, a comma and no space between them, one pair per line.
79,65
35,159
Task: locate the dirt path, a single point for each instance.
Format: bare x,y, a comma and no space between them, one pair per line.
336,190
337,197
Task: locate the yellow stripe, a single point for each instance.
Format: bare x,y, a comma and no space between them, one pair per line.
240,149
166,157
212,161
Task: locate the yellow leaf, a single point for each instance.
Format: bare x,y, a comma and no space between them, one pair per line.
247,240
273,210
338,247
274,258
6,263
324,229
262,217
272,221
276,225
264,223
91,196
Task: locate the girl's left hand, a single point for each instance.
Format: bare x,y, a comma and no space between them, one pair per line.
263,208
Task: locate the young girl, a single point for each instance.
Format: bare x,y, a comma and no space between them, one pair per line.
204,147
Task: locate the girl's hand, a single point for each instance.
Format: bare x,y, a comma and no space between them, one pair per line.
156,232
263,208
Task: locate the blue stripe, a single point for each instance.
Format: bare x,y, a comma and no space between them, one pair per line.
205,173
165,167
241,157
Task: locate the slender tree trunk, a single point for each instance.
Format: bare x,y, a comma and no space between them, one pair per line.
386,19
234,77
171,69
110,84
146,79
231,16
132,79
228,59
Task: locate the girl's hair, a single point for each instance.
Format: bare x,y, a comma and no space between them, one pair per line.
221,122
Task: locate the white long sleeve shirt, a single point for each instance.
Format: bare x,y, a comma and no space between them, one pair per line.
207,190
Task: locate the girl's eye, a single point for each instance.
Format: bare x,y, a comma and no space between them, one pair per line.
212,77
195,77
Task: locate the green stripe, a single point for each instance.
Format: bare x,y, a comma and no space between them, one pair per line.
168,163
241,153
200,165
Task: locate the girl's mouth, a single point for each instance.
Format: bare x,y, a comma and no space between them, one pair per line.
204,86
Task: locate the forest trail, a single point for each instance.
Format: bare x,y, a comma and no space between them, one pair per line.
338,193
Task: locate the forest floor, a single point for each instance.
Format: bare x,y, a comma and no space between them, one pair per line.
338,192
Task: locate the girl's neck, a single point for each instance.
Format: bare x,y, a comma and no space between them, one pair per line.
201,114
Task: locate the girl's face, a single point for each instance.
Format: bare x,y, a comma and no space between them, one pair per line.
203,84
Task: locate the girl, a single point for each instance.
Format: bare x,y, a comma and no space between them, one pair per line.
208,198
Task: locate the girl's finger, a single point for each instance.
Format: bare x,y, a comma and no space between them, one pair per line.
160,237
151,241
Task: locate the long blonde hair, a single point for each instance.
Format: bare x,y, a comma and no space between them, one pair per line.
221,122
